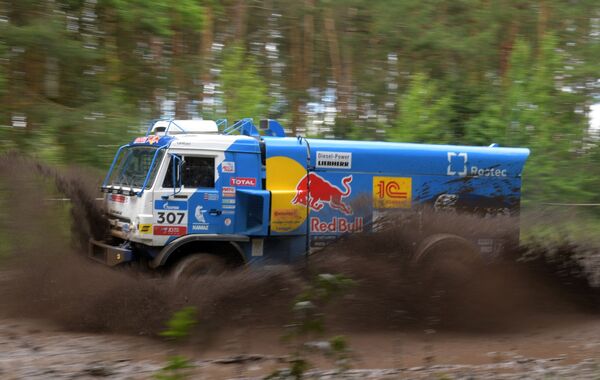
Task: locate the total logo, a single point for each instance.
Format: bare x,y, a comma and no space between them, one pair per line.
323,192
337,225
239,181
458,166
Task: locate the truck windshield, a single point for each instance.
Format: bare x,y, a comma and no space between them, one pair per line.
133,165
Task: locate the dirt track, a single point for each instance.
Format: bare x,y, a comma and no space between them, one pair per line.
36,350
63,317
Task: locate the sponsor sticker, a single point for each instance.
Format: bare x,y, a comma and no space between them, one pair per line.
334,160
118,198
227,222
230,207
170,213
170,205
200,227
170,230
320,241
392,192
145,228
458,165
199,214
211,196
228,167
153,139
336,225
323,192
257,247
228,192
487,172
242,181
229,201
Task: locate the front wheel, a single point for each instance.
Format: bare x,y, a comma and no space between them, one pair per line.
197,265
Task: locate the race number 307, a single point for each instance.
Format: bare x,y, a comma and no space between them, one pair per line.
170,217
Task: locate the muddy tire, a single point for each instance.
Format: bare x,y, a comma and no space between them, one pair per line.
197,265
446,270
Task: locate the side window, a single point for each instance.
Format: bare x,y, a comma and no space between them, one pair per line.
195,172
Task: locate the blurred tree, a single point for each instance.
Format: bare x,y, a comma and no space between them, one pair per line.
425,113
81,74
244,92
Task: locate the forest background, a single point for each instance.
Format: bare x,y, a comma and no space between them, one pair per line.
80,77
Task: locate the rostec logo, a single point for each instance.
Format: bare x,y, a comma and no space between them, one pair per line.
457,164
323,192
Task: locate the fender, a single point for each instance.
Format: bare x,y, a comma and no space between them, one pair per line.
164,254
432,242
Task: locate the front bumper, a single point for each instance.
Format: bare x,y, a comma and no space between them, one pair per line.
109,254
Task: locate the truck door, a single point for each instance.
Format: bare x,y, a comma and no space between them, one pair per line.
186,201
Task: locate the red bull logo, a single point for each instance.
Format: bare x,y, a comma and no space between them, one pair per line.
335,225
323,192
152,139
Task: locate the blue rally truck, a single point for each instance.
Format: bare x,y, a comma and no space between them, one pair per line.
196,196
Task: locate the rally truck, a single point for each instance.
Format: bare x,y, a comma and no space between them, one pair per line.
196,197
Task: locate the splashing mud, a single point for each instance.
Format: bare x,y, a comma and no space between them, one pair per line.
49,279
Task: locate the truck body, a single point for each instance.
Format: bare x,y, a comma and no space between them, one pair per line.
188,187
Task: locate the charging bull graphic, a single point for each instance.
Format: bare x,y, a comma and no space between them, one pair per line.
321,192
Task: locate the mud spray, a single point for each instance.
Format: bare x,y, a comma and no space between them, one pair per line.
48,276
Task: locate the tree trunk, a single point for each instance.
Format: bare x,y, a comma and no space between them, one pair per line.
206,51
296,77
506,49
308,42
239,22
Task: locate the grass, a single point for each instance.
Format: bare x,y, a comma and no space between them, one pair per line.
555,224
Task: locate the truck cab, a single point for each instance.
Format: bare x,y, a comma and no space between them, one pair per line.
183,183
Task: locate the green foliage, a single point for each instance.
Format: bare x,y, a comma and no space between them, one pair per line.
309,322
180,325
177,368
178,328
245,93
340,352
425,113
542,116
84,75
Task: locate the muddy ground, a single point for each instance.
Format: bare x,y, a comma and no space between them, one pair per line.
63,316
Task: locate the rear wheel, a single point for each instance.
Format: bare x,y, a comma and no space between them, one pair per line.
197,265
447,268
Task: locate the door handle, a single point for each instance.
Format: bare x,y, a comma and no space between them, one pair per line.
214,211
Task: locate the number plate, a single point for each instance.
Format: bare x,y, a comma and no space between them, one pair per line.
170,218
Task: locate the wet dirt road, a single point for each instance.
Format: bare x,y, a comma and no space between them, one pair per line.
559,347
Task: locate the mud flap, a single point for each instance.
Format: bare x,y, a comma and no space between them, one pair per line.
108,254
